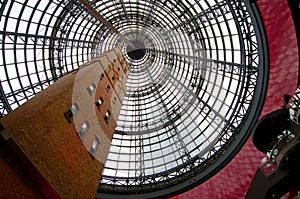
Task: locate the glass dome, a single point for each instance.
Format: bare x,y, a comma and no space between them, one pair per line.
196,86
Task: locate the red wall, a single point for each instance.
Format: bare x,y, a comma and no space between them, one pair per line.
233,181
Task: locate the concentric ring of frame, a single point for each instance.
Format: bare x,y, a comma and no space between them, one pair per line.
63,50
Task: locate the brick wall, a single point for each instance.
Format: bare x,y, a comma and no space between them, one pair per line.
41,130
12,186
50,141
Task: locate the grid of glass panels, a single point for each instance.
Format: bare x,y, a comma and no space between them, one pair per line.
38,45
190,99
188,96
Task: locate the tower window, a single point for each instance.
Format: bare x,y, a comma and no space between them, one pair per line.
101,76
94,146
107,88
84,128
91,88
74,108
99,102
107,116
114,100
69,114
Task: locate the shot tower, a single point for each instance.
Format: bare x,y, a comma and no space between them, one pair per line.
55,145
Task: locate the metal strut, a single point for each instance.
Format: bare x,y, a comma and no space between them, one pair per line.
177,138
92,11
139,148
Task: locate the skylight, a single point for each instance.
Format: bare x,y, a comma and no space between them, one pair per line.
191,95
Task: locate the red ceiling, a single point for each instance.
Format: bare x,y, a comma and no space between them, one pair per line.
233,181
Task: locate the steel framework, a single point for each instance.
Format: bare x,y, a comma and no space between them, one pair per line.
191,99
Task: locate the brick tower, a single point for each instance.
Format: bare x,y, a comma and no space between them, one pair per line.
55,145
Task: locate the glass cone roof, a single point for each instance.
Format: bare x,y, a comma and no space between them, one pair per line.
196,86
